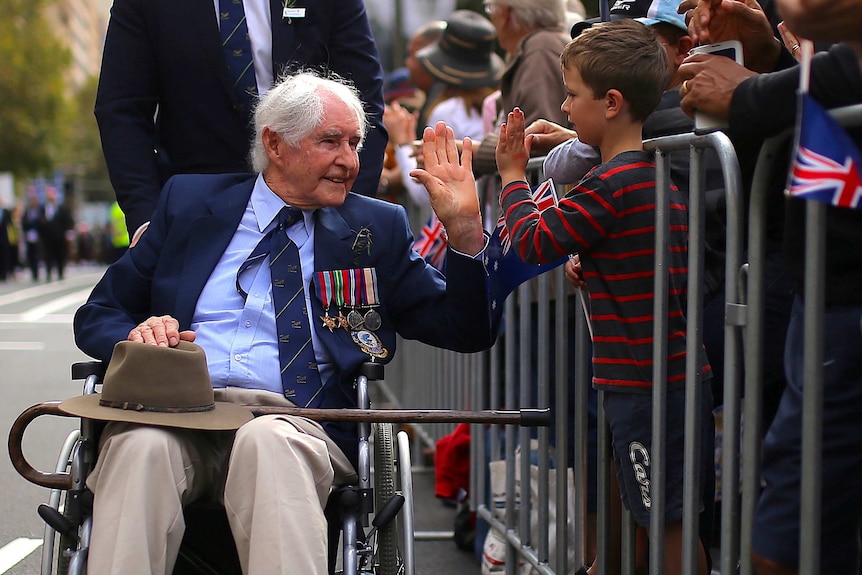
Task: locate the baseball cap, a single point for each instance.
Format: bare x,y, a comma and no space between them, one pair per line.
647,12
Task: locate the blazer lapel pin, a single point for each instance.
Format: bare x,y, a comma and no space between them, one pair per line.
290,11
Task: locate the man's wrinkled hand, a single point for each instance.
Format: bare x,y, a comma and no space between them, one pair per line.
160,330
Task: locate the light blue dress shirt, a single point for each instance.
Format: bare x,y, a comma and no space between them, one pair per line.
239,336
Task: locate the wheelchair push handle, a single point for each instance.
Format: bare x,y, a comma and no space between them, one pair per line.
61,481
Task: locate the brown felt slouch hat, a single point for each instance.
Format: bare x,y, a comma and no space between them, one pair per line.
165,386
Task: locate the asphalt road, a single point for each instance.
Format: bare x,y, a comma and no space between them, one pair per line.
36,351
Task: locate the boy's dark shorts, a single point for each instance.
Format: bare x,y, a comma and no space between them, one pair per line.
630,418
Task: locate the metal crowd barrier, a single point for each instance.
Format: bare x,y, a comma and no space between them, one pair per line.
815,262
504,377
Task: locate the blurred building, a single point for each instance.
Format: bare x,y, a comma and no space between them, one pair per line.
81,24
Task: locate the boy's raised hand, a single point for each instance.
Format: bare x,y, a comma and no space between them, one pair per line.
452,187
513,148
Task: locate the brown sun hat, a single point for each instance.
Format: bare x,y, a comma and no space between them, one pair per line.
464,56
165,386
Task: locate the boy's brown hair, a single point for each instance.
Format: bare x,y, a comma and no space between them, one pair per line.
622,55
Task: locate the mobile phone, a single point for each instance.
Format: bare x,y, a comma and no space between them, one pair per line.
732,49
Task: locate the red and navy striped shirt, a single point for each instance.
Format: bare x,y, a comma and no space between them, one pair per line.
609,220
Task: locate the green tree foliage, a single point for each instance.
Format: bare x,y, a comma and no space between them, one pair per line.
81,154
32,88
84,147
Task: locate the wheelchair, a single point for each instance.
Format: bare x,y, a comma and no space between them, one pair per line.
373,519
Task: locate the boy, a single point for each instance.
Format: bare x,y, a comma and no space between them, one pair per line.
614,75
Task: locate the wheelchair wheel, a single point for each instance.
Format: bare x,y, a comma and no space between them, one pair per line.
405,469
67,541
387,559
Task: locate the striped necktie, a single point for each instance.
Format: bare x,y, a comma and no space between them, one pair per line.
237,52
299,376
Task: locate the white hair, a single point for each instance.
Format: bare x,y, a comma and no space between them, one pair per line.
535,14
293,109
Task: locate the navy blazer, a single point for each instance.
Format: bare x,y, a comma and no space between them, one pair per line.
197,216
165,56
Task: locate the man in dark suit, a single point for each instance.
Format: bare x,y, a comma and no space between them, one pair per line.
7,266
190,278
56,224
166,103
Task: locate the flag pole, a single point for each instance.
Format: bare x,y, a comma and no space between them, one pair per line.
812,400
604,10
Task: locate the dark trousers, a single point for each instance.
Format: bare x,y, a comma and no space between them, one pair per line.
33,259
56,254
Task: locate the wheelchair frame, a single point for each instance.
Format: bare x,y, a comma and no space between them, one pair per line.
391,529
379,546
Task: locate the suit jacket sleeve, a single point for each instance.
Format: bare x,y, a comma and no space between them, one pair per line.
835,79
123,297
451,312
126,103
835,75
353,55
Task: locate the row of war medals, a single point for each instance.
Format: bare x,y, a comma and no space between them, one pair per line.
355,289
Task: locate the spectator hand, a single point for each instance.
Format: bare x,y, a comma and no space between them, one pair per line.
791,41
162,330
513,148
830,20
712,21
452,188
547,135
400,124
709,82
574,273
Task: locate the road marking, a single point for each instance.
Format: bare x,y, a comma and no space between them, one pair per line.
17,318
75,300
49,288
21,346
12,553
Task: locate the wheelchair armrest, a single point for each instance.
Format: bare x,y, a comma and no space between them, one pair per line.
371,370
84,369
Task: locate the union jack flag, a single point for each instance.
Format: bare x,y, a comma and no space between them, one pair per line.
543,195
827,163
506,270
431,243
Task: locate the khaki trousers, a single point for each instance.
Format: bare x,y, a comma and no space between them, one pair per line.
273,475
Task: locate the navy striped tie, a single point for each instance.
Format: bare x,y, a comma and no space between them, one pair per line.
237,52
299,376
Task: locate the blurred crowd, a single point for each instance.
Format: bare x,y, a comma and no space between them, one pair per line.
41,238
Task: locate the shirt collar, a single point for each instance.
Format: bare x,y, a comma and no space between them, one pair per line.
266,206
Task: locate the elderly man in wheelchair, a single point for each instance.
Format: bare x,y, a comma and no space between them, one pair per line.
288,283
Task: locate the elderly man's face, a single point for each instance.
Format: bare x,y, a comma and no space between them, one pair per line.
321,170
